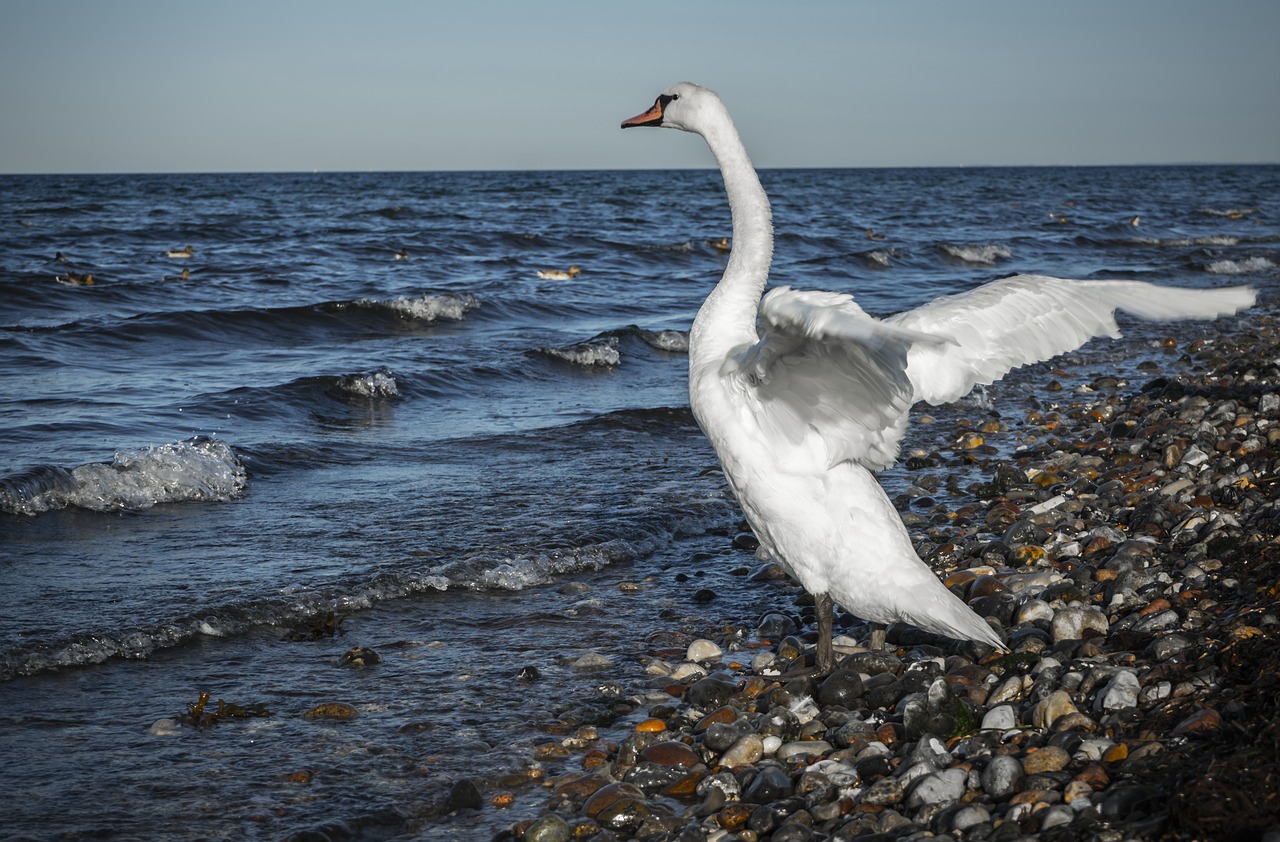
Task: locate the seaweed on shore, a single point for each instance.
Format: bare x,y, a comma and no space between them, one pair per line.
197,716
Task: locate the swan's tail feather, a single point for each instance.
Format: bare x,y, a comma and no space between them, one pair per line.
942,612
1161,303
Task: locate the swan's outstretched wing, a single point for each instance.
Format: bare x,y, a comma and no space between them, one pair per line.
823,365
1028,318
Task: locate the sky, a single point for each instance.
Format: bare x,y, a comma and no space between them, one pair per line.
297,85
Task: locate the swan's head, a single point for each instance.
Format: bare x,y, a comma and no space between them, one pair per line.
683,106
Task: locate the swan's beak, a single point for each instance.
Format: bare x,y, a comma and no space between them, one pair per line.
652,117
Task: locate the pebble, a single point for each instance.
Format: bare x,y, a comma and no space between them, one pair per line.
947,785
703,651
749,749
1056,704
1046,759
1002,776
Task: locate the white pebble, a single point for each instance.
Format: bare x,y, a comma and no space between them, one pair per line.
772,743
703,650
1000,718
686,670
163,728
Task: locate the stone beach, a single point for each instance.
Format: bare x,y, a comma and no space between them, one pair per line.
1123,540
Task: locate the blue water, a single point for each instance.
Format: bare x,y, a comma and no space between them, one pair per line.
459,459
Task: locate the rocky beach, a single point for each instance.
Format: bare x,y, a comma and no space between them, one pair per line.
1122,537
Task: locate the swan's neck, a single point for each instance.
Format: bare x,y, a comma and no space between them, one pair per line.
727,318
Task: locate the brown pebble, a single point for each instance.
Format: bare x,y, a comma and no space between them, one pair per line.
550,751
1094,775
652,726
300,777
502,799
595,758
1046,759
725,715
332,710
1203,721
671,753
579,787
1158,604
734,816
609,794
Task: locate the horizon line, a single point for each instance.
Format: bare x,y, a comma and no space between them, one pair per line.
316,171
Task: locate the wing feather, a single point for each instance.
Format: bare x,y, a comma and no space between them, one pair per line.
824,366
1028,318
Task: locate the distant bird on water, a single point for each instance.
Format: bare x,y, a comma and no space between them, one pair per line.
75,279
186,252
803,394
872,235
722,244
402,254
558,275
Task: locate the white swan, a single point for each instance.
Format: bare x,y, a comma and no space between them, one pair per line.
803,407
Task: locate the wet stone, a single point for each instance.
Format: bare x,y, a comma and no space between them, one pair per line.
884,792
549,828
703,651
843,688
746,751
464,795
653,777
710,692
670,753
770,784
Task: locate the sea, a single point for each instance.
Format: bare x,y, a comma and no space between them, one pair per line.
356,418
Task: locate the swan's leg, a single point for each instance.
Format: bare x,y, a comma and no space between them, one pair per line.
825,660
877,637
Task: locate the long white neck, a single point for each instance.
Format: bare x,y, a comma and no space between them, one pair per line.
727,318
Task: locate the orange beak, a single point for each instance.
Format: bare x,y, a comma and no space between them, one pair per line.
652,117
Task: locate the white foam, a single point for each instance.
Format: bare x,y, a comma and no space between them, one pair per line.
588,354
667,340
1240,267
984,254
199,469
376,385
429,308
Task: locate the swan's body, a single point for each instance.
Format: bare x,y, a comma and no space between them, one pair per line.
181,253
560,275
803,394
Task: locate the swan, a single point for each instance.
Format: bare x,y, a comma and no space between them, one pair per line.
803,395
186,252
558,275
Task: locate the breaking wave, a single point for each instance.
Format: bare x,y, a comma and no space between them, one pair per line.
203,469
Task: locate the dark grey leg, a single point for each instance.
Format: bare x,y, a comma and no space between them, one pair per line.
825,662
877,636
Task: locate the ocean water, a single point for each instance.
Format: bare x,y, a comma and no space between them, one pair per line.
221,483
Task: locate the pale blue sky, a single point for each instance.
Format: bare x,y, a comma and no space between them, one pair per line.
149,86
